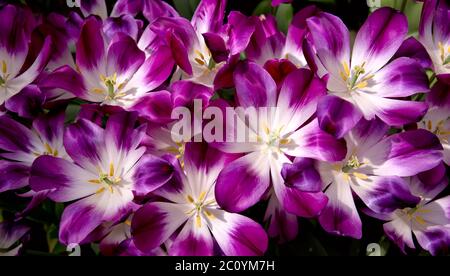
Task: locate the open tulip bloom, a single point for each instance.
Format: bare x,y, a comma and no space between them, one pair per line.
142,129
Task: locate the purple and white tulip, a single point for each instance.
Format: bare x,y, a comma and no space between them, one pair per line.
366,77
428,221
118,73
373,169
434,34
108,168
189,221
16,72
285,129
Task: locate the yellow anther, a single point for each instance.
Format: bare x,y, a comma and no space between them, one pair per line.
198,221
361,176
48,148
190,199
4,67
420,220
441,50
111,189
199,61
202,196
208,213
200,54
429,124
111,169
285,141
94,181
346,69
97,90
100,190
128,222
102,77
346,177
121,86
361,85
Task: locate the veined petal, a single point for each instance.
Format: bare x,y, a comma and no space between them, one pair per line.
238,235
391,111
298,98
84,142
208,16
27,103
13,175
283,225
379,39
412,48
312,142
91,50
254,86
150,173
17,84
436,240
67,180
78,220
429,184
384,194
155,222
302,175
400,78
331,36
399,231
243,182
399,154
66,78
340,216
153,72
95,7
193,240
337,116
293,200
123,57
156,106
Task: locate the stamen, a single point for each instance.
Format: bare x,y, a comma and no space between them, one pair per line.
94,181
429,124
420,220
100,190
199,61
361,176
4,67
190,199
198,221
202,196
208,213
111,169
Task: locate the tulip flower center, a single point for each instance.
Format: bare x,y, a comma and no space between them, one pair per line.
416,214
349,169
106,180
273,139
48,150
355,78
204,60
200,208
438,129
111,88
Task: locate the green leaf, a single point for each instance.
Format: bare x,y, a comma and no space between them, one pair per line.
72,112
264,7
186,8
284,15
